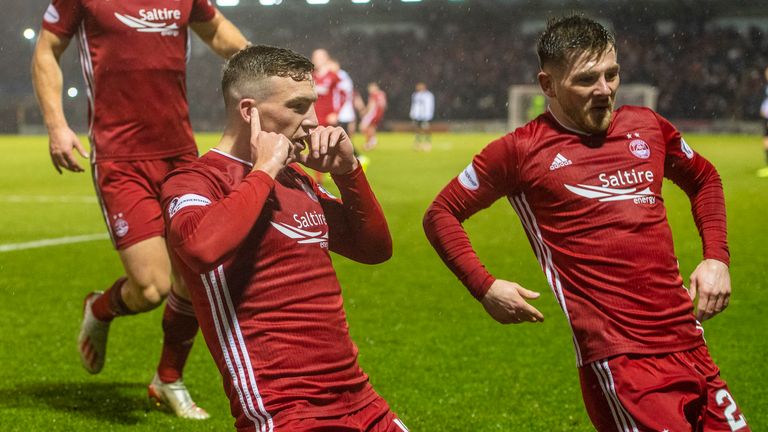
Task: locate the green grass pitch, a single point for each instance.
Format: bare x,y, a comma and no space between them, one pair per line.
427,345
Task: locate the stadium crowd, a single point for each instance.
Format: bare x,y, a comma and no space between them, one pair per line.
711,73
714,73
702,71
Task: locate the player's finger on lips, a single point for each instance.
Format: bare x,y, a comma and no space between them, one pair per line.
326,136
314,143
336,136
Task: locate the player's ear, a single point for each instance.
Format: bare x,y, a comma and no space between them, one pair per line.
547,83
244,109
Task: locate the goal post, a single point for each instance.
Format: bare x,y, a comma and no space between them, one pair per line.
527,101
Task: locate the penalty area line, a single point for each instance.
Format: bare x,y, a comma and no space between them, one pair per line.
10,247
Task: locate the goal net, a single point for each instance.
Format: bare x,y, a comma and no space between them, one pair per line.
527,101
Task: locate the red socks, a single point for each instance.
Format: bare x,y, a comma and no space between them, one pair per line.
111,304
180,327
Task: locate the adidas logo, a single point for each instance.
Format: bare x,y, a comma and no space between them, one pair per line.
559,162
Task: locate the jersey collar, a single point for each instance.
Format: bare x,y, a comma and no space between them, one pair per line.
580,132
232,157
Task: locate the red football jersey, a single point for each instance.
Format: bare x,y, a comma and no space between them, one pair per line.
133,54
377,104
593,212
255,255
325,86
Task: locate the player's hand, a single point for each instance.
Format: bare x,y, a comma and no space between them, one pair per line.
505,302
61,143
329,150
712,281
269,150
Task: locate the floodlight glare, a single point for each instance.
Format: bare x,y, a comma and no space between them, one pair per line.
29,34
72,92
361,1
317,2
270,2
227,2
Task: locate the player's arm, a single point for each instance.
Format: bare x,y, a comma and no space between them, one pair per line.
477,187
357,227
699,179
204,231
220,34
47,80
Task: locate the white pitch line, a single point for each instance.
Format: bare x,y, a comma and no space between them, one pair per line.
9,247
84,199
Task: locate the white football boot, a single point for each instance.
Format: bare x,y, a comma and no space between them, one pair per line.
92,341
175,398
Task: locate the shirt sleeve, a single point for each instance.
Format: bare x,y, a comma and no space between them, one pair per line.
204,230
202,11
491,175
357,227
63,17
699,179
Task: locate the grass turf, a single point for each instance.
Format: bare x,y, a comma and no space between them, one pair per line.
429,348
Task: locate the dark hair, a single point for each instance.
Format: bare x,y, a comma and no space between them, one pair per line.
565,35
261,61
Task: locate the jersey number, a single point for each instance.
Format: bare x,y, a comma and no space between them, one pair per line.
723,396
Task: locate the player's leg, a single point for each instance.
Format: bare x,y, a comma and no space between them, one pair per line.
721,413
763,172
639,393
127,203
180,325
370,136
372,140
367,127
148,271
128,192
144,287
417,136
167,389
427,133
